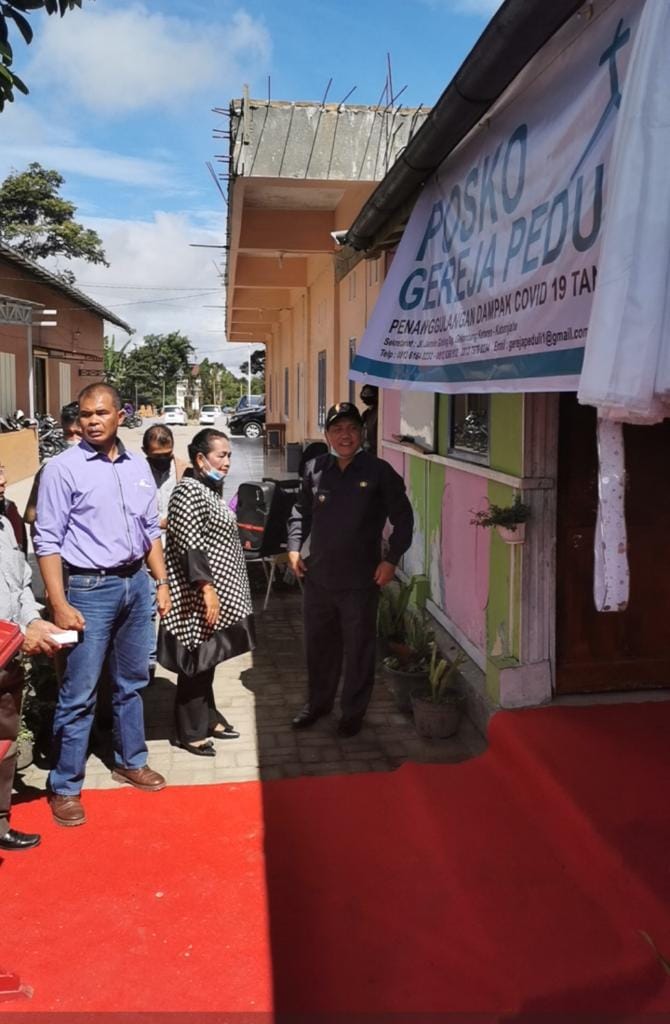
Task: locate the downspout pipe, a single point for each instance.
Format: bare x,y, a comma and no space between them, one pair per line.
512,37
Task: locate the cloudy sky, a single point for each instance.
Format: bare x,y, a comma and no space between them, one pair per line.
121,98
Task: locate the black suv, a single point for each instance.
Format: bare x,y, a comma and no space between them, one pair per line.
249,421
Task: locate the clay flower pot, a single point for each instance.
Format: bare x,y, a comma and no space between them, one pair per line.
436,721
512,536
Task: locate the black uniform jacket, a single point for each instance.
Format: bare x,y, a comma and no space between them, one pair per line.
343,513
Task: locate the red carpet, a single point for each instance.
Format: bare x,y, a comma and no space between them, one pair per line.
517,883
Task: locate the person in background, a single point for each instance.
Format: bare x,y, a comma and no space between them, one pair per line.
96,523
10,513
17,605
211,618
370,399
69,421
166,470
346,497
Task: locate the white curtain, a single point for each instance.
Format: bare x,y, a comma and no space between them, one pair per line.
626,372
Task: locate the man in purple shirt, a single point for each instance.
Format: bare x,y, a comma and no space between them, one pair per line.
97,522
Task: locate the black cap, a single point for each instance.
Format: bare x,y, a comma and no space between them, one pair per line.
341,411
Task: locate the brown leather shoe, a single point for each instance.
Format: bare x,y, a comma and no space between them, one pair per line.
66,810
140,778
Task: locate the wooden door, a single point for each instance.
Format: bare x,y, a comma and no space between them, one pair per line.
629,650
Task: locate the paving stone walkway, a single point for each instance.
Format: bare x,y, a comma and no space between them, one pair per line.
260,692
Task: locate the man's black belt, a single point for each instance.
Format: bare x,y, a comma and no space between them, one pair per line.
129,569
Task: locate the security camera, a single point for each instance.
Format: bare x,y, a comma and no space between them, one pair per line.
339,237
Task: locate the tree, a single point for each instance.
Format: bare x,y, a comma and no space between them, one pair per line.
37,222
13,11
257,364
154,367
114,362
218,386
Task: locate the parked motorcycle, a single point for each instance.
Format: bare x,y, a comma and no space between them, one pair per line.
134,420
50,438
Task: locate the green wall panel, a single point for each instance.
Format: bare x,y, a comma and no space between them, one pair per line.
442,442
436,483
506,434
504,605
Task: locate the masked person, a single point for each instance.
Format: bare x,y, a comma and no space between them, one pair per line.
370,399
166,470
346,498
211,618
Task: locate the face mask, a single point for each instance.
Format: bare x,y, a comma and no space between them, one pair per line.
161,463
336,456
215,475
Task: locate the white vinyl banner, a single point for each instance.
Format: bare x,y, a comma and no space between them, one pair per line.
492,284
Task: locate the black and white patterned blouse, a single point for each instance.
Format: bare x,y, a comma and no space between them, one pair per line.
203,545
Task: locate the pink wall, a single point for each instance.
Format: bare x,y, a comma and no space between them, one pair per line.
391,413
465,555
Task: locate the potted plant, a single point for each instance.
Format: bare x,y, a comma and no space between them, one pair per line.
393,602
37,709
406,666
509,520
438,707
25,746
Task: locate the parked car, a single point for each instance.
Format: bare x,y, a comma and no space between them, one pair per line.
249,422
175,415
209,414
250,402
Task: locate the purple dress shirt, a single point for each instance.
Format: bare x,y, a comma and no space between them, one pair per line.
94,513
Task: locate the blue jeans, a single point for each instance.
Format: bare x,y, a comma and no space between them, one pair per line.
117,611
153,639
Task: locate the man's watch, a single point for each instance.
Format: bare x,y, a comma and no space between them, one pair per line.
162,583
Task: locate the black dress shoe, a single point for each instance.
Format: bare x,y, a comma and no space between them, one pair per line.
200,750
306,717
228,732
349,726
14,840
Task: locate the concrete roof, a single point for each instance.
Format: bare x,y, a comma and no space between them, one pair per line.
322,142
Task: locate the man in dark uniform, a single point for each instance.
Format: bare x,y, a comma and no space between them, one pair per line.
346,498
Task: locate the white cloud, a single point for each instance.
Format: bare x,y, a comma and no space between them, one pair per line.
158,283
115,61
29,135
90,163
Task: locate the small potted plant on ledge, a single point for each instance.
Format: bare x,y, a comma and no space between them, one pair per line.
439,707
509,520
406,666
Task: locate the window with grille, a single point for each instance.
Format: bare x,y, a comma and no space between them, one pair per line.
469,427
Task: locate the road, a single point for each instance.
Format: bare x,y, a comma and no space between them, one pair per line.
247,463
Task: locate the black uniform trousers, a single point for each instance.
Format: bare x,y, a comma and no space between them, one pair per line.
340,626
11,693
